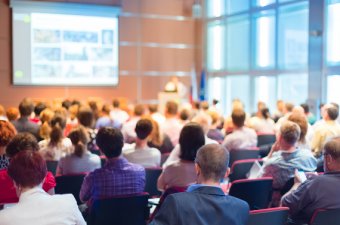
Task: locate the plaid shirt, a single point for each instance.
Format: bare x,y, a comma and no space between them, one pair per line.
117,177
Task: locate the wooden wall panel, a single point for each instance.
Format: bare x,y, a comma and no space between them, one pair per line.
128,29
128,58
5,59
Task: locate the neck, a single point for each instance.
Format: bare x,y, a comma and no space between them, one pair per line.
208,182
2,150
141,143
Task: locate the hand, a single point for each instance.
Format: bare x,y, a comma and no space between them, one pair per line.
297,179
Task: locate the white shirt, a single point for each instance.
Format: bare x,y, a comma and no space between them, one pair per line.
172,127
240,138
39,208
147,157
119,115
55,152
128,129
73,164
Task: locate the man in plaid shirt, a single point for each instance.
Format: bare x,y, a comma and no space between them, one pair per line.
118,176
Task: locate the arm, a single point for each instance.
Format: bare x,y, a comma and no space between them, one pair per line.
161,182
86,188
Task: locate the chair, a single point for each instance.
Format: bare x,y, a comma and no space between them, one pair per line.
120,210
265,139
271,216
241,168
325,217
52,166
257,192
151,177
239,154
70,184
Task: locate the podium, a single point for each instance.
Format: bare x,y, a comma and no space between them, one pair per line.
164,97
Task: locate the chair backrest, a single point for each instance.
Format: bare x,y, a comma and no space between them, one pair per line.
241,168
151,177
70,184
271,216
265,139
239,154
326,217
122,210
52,166
256,192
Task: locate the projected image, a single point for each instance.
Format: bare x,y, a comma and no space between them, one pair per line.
101,54
77,71
46,36
107,37
103,71
80,36
46,54
75,54
45,71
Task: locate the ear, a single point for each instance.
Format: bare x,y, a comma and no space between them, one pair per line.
197,169
227,172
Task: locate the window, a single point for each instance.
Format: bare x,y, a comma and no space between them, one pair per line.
265,90
237,87
293,88
333,84
235,6
333,32
215,8
262,3
216,49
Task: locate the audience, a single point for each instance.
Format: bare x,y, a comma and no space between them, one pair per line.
155,115
117,114
181,172
262,123
320,192
7,133
214,132
28,171
128,128
81,160
86,119
118,176
105,120
139,152
172,125
12,114
205,202
159,140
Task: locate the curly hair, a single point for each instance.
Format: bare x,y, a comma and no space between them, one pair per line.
7,133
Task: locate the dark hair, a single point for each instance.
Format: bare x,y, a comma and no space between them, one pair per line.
265,113
153,108
110,141
139,110
79,138
184,114
26,107
115,103
191,139
305,107
213,159
238,116
27,169
332,147
76,102
106,109
332,112
58,124
143,128
39,108
7,132
22,141
171,108
85,116
66,104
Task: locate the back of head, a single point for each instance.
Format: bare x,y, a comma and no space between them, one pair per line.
265,113
191,139
110,141
66,104
46,115
301,121
22,141
106,109
139,110
85,116
305,107
289,106
205,105
171,108
238,116
332,112
290,132
115,103
332,147
213,159
26,107
27,169
12,113
184,114
79,138
39,108
204,120
7,133
58,124
153,108
143,128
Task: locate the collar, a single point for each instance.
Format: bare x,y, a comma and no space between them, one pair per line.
117,162
27,194
205,189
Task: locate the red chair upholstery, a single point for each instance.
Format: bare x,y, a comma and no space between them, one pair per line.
326,217
239,154
256,192
70,184
271,216
151,177
120,210
240,168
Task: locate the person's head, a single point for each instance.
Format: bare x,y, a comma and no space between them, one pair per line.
155,137
211,163
46,115
110,141
305,107
260,105
143,128
288,107
298,110
79,138
39,108
153,108
204,120
205,105
106,109
191,139
27,169
237,105
58,124
7,133
20,142
332,155
139,110
289,134
238,117
184,114
66,104
74,110
26,107
171,108
115,103
12,113
85,116
301,121
280,105
330,112
265,113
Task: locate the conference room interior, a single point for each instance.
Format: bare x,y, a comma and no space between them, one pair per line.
222,51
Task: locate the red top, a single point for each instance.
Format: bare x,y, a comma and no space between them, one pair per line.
7,189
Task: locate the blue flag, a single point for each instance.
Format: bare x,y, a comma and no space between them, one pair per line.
202,86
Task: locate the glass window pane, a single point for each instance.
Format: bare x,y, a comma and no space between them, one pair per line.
333,93
265,91
216,8
238,43
333,32
293,36
262,3
235,6
293,88
265,40
216,46
237,87
216,90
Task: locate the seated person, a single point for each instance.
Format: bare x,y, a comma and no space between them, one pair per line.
21,142
242,137
139,152
81,160
204,202
181,173
284,158
320,192
28,170
117,176
7,133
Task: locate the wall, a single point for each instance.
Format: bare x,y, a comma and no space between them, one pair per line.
150,31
